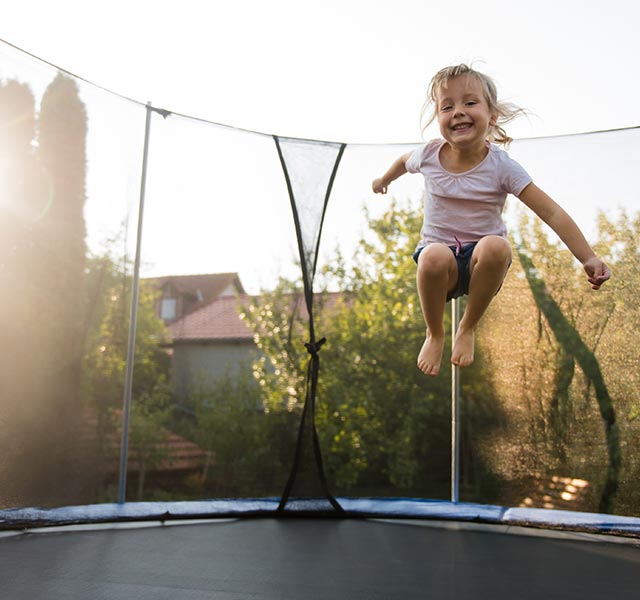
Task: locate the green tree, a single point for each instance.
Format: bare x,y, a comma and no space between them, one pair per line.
250,447
21,201
109,288
560,361
573,347
42,284
150,413
62,132
383,425
614,338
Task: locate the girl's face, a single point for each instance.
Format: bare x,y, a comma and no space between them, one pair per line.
463,112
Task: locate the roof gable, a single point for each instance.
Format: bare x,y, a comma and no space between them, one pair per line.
204,288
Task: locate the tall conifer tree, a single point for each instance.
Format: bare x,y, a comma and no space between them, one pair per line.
20,204
59,275
42,271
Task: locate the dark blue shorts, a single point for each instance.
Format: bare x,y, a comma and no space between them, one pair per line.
463,259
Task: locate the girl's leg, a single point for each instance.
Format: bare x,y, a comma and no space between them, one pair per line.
437,274
488,267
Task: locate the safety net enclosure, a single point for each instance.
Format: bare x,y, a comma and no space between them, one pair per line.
202,320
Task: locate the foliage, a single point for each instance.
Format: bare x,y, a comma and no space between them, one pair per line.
147,437
383,425
108,299
41,277
104,362
572,348
250,447
530,406
555,420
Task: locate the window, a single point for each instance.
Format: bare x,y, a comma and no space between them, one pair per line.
168,309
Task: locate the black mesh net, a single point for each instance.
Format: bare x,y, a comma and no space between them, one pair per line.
278,321
309,169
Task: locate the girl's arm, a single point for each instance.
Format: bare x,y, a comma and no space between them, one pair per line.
397,169
556,217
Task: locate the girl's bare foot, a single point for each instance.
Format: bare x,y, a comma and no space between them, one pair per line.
462,353
430,355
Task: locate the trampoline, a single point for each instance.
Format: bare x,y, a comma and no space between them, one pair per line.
445,551
279,559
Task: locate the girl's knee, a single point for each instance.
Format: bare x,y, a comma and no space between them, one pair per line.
436,259
493,249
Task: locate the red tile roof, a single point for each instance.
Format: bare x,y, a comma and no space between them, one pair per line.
180,454
219,320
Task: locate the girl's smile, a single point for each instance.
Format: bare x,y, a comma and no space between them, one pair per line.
463,112
462,127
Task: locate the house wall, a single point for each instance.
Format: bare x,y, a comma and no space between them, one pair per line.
198,365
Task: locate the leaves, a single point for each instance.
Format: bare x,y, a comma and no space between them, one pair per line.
553,421
383,425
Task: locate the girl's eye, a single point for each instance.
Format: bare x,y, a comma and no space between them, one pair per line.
471,103
447,107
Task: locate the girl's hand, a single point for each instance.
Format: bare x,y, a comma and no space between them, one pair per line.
597,272
378,186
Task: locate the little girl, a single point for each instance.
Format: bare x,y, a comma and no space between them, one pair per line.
463,247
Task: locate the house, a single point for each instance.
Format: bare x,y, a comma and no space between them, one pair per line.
209,344
208,340
180,295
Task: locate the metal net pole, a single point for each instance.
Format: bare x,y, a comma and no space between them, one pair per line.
455,408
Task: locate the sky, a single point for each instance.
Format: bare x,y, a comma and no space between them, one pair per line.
352,71
343,70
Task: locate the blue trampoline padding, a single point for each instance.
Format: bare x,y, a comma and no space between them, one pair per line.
411,508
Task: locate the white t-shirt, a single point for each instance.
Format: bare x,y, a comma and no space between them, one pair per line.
466,206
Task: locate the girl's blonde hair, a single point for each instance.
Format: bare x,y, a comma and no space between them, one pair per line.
503,111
